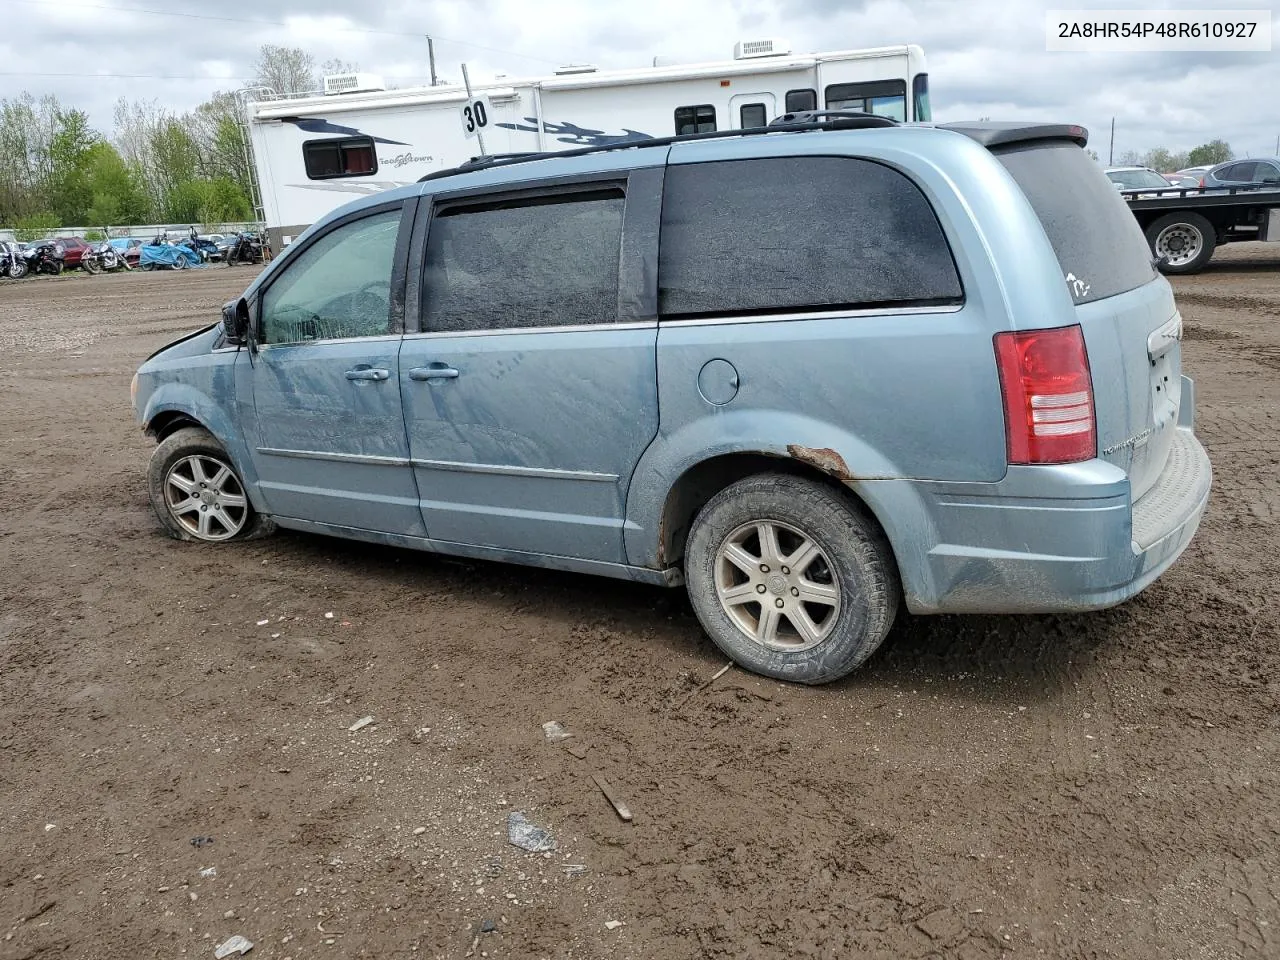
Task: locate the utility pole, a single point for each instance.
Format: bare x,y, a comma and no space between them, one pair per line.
431,55
1111,154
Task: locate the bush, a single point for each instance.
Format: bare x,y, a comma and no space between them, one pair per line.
35,227
95,236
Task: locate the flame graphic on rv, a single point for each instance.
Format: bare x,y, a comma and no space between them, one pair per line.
576,135
316,125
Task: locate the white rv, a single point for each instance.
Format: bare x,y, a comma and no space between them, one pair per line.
315,153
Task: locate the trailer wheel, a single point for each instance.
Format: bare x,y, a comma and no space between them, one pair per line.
1181,242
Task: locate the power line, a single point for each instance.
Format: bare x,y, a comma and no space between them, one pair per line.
281,23
118,76
156,76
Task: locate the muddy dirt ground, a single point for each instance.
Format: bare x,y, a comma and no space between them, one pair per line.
1063,787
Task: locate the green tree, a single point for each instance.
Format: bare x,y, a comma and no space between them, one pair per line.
35,227
1208,154
174,157
118,195
207,202
70,154
217,127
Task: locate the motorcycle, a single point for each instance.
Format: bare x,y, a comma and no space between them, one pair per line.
206,249
45,257
248,248
11,263
102,257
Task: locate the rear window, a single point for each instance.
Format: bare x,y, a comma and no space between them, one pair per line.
1099,244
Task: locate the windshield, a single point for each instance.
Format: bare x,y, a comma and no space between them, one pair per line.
1137,179
1099,244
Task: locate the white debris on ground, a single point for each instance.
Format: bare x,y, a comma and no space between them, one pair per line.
237,945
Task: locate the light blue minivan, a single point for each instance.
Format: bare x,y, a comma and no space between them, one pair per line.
809,371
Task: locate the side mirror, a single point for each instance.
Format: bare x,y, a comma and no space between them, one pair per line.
235,321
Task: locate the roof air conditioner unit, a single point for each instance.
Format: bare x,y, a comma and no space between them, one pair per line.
749,49
571,68
352,83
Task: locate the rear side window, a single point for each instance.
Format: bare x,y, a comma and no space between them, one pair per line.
1099,244
348,157
545,261
796,234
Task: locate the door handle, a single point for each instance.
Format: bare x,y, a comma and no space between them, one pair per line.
437,371
368,373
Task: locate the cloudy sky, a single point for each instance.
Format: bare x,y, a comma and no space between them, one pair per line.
986,57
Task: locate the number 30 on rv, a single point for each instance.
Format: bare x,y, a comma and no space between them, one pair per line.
475,116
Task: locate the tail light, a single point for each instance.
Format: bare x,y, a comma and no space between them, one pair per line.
1202,183
1048,396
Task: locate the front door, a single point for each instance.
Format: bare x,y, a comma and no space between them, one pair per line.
531,391
330,445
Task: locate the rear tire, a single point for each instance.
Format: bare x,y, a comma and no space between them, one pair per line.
1185,240
823,573
186,468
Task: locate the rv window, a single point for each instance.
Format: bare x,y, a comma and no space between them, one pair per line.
801,100
699,119
346,157
753,115
884,98
550,261
797,233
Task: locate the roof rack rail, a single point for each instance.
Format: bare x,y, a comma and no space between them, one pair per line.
481,162
841,120
838,119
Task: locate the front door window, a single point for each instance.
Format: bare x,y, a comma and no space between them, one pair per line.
338,288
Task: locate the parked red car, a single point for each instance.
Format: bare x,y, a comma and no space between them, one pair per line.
75,249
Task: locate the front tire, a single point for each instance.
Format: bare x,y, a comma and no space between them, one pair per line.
196,492
790,579
91,266
1183,240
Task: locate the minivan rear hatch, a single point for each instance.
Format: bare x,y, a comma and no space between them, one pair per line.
1125,308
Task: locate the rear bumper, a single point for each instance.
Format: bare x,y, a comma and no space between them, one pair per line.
1045,539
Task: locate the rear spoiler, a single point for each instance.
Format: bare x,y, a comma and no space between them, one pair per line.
1004,133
